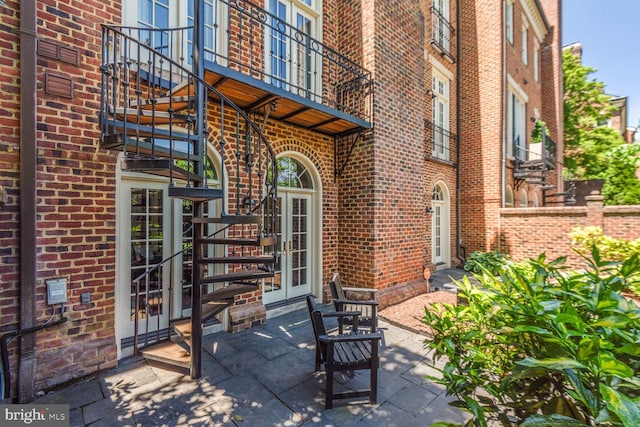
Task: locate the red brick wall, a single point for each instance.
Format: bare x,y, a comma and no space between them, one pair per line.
526,233
481,82
9,167
75,196
485,54
381,200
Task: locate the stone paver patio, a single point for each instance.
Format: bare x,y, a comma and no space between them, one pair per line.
262,377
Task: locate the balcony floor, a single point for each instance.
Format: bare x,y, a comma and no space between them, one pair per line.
253,94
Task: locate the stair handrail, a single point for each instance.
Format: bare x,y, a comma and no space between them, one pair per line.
190,74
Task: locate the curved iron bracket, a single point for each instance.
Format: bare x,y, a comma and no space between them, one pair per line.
343,145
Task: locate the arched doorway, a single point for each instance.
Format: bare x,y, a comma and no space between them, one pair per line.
150,228
440,226
299,230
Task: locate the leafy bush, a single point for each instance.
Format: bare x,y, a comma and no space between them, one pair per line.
585,238
493,262
556,348
486,262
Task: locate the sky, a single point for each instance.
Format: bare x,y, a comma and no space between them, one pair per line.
609,32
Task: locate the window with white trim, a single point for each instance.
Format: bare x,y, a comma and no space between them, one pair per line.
525,44
291,24
440,115
287,64
509,21
508,202
441,33
516,124
536,61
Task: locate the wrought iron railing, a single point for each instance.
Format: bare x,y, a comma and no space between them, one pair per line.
442,34
440,143
248,39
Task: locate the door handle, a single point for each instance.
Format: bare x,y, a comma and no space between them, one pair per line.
290,247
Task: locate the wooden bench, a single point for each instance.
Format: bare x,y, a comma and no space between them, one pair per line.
368,307
350,352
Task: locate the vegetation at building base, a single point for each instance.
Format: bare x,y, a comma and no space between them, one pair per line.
583,239
592,151
543,346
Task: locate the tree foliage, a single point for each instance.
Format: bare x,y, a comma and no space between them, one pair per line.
592,151
621,186
585,103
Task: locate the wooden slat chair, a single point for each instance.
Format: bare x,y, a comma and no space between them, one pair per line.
349,352
368,308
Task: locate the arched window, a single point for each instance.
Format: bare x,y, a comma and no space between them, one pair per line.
535,202
524,199
438,193
508,201
292,174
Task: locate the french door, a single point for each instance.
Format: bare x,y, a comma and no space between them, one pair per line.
293,271
144,234
440,226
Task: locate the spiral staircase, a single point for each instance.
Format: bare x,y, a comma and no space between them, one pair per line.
163,116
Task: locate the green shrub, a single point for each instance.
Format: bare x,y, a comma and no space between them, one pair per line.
486,262
585,238
549,348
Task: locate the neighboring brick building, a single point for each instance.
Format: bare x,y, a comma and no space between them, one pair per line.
353,105
511,81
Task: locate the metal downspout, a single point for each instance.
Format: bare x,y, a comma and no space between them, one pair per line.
503,121
28,154
458,121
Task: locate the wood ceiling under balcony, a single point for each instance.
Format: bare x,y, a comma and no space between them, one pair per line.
253,95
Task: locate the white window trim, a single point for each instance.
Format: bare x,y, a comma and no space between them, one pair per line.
445,99
536,60
516,89
509,20
440,67
525,41
508,202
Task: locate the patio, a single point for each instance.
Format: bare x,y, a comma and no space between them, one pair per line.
262,377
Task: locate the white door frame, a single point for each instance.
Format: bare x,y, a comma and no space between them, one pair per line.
441,227
172,224
314,196
124,327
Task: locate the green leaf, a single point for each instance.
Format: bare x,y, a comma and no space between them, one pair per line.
476,409
630,349
588,347
612,366
533,329
551,420
557,363
627,409
612,322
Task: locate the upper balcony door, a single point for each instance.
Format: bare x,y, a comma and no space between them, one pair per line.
516,122
440,116
290,64
441,29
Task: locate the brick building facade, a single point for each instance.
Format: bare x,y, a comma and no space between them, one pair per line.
378,184
510,81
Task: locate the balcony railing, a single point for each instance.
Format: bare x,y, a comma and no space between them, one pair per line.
440,143
248,39
535,151
442,34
